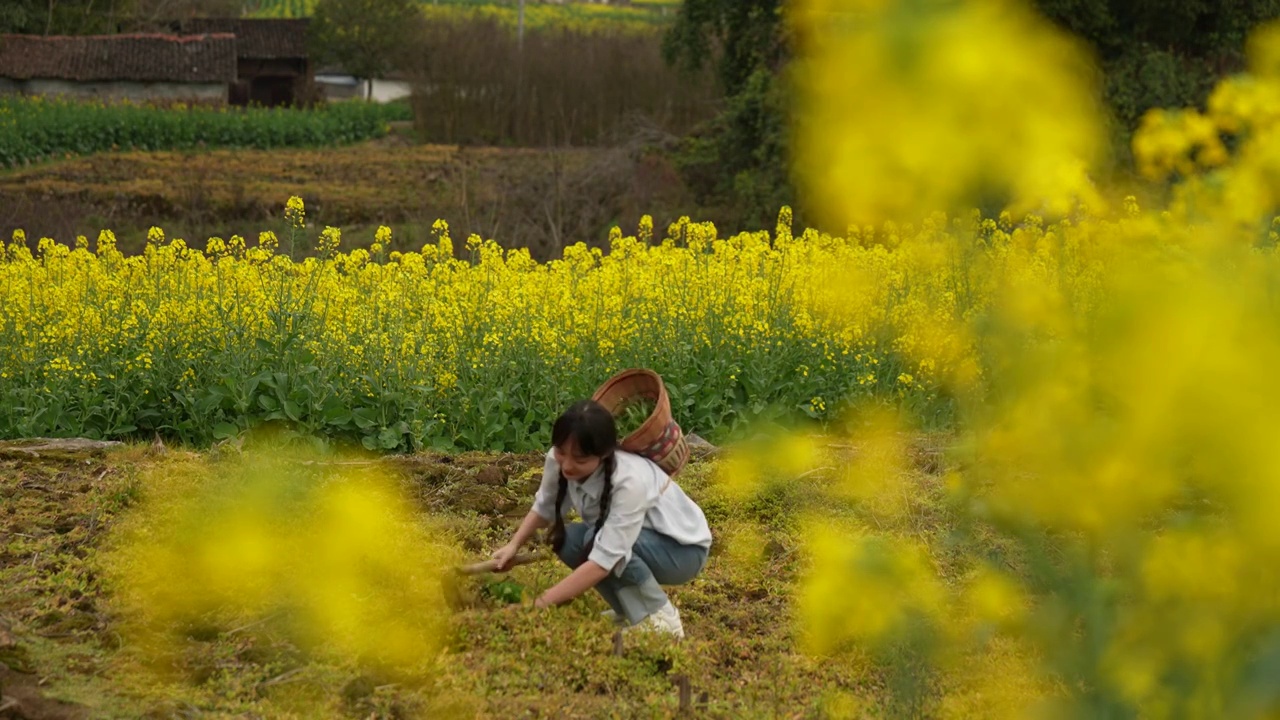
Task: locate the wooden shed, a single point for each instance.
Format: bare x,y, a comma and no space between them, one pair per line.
273,65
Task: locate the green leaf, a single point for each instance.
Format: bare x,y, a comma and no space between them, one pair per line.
388,439
210,402
224,430
365,418
337,414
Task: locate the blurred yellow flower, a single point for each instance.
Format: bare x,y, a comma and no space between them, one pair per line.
909,108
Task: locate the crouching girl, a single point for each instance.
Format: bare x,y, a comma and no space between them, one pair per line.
640,530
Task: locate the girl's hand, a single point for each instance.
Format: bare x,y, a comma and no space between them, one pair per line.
504,555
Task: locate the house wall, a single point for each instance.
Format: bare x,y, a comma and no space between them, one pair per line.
339,87
345,87
388,90
122,90
279,67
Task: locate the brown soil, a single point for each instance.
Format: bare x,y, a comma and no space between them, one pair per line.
21,698
540,199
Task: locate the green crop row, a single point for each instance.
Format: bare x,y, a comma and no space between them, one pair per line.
34,129
575,16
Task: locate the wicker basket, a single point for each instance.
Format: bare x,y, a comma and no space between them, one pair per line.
659,438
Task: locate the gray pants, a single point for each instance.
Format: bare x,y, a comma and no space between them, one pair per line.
656,560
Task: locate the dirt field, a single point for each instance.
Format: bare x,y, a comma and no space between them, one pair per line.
540,199
65,652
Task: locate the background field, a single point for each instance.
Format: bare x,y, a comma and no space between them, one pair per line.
636,16
540,199
40,130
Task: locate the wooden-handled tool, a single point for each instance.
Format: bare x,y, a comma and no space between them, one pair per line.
460,594
489,566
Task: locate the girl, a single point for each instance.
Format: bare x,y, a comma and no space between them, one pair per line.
640,531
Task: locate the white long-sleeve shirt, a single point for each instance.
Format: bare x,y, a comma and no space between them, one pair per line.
638,501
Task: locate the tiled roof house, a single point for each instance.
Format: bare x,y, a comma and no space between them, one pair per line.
197,67
257,39
271,55
211,60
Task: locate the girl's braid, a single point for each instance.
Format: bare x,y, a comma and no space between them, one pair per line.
557,532
610,464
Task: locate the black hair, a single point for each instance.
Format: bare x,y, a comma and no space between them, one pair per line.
592,428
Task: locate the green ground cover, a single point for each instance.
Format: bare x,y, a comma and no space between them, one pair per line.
66,647
37,129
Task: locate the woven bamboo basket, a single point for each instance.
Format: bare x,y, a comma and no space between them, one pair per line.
659,438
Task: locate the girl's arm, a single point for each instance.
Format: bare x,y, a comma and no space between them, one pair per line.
532,523
540,516
579,581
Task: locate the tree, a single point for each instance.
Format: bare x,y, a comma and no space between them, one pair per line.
367,38
105,17
1160,53
19,16
1190,28
742,35
63,17
738,162
160,15
1153,53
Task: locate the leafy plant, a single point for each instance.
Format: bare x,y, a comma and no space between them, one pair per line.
506,591
424,350
35,129
632,414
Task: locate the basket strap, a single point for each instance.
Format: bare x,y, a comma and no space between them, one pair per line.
666,485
